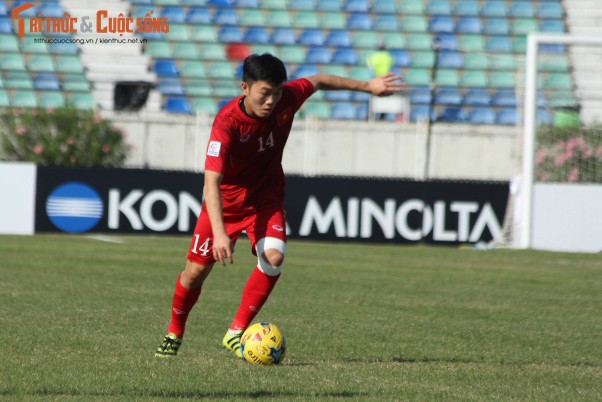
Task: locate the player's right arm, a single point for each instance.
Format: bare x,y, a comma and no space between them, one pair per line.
222,244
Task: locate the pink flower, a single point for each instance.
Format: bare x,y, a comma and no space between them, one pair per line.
574,174
70,141
20,130
106,149
38,149
540,156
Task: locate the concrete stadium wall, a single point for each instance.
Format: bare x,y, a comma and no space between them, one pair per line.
382,149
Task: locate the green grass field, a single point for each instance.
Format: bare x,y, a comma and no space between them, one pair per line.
80,320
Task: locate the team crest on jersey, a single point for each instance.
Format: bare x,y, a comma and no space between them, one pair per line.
214,148
285,116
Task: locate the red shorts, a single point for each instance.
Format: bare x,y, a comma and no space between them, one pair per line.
265,223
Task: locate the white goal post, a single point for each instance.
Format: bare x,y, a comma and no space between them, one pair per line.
530,122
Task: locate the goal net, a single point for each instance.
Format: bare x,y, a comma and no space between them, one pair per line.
562,146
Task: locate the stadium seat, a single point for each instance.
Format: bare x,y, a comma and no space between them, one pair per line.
391,40
195,3
504,98
292,54
420,96
28,45
423,59
12,61
402,58
318,55
278,18
523,26
471,43
170,86
237,51
522,9
447,78
204,105
158,49
448,96
555,63
477,97
558,81
494,8
359,21
333,21
499,44
384,22
502,79
360,97
46,81
550,10
360,6
198,16
23,99
506,117
497,26
193,69
305,71
418,41
300,5
256,35
31,12
469,25
306,19
411,7
333,69
212,52
503,61
261,49
283,36
75,83
519,44
447,41
329,5
230,34
4,99
360,73
221,69
174,14
562,99
556,26
339,39
453,115
40,62
442,24
344,56
3,8
342,111
312,37
362,110
178,105
6,25
468,8
178,32
421,113
543,117
185,50
369,39
219,3
198,87
338,96
18,80
69,64
439,7
227,89
474,79
166,68
225,16
482,115
320,110
252,17
9,43
450,59
418,77
384,7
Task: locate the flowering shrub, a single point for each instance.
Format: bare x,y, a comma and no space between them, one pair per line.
569,155
65,137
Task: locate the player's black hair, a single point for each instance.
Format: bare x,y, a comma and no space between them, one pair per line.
263,67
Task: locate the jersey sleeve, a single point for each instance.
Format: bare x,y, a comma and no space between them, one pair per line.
218,148
301,89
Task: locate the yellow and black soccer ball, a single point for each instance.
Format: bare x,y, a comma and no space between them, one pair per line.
263,343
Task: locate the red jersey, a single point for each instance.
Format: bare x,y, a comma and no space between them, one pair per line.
248,151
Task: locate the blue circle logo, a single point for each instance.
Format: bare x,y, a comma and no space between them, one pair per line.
74,207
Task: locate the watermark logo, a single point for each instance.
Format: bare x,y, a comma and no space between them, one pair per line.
100,23
74,207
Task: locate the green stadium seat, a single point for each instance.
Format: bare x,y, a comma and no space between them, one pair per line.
28,44
292,54
278,18
82,101
167,2
9,43
204,33
423,59
447,78
306,19
204,105
51,100
212,52
274,4
558,81
221,70
359,73
1,81
471,43
76,83
68,64
198,87
553,62
18,80
522,26
333,20
40,62
419,41
227,89
4,100
411,7
261,49
252,18
561,99
392,40
367,39
178,32
319,110
476,61
12,61
333,69
193,69
502,61
519,44
158,49
418,77
363,56
23,99
186,50
474,79
502,79
414,24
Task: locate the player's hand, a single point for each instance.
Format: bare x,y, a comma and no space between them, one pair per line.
386,85
223,249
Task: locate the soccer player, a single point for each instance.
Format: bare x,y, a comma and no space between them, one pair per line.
244,188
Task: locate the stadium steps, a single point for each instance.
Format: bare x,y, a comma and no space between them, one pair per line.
584,17
109,63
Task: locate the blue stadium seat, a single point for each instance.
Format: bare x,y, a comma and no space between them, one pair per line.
468,8
500,44
477,97
506,117
522,9
361,6
174,14
386,22
482,115
421,113
550,10
170,86
362,111
469,25
63,48
166,68
31,12
225,16
441,24
439,7
299,5
221,3
450,59
256,35
359,21
448,96
283,36
305,71
420,96
46,81
51,10
384,7
329,5
230,34
453,115
198,16
338,96
344,56
248,4
6,25
318,55
342,111
339,39
3,8
447,41
360,97
402,58
504,98
178,105
497,26
494,9
312,37
556,26
543,117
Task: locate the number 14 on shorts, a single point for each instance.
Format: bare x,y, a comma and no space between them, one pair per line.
203,249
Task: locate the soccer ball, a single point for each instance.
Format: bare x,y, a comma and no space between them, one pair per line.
263,343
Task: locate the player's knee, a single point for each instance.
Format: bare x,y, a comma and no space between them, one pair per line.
194,274
270,253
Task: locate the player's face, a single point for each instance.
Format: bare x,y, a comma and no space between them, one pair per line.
261,97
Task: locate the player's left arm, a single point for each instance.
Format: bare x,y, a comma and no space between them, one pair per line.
380,86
